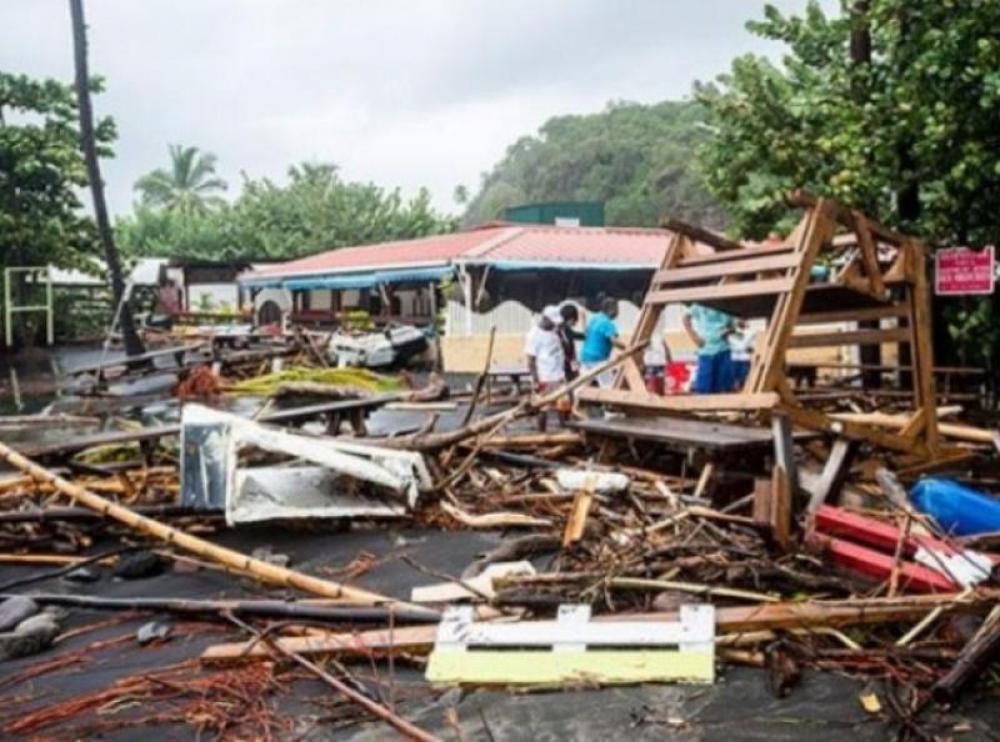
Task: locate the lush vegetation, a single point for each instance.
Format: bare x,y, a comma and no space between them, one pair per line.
41,174
638,159
314,210
889,105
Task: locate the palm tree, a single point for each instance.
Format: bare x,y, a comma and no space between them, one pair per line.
133,344
189,187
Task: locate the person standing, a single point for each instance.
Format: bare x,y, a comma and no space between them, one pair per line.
546,361
741,349
710,329
569,335
656,358
599,339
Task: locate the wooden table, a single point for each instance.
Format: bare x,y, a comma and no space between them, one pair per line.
682,434
514,373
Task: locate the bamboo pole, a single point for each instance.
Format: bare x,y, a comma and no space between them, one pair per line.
258,568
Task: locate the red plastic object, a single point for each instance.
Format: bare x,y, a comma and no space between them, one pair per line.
839,522
878,565
676,378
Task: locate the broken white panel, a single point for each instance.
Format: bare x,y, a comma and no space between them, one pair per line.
603,482
967,567
210,475
274,492
444,592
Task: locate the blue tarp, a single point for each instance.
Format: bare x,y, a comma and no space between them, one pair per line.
413,275
368,279
337,283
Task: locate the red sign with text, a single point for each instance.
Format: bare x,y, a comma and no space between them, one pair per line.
959,270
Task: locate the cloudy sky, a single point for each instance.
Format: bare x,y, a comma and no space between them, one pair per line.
399,92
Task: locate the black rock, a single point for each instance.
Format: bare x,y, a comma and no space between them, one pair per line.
139,565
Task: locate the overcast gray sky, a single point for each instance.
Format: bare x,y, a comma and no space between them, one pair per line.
399,92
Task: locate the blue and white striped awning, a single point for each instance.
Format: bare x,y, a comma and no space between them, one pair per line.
368,279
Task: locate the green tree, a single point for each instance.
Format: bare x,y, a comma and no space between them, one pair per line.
314,210
908,131
636,158
41,174
188,187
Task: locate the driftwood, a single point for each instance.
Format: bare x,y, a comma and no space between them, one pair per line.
430,441
241,562
977,655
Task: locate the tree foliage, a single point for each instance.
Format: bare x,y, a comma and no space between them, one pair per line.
314,210
910,136
41,174
188,187
636,158
921,116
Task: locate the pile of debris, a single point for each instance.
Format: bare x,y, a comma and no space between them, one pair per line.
750,530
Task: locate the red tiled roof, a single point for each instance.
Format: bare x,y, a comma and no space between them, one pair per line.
489,243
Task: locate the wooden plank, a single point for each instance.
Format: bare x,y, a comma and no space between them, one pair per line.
601,666
850,337
746,252
728,268
699,234
890,311
680,402
649,316
869,254
701,293
681,434
923,353
576,524
835,471
728,619
769,365
855,431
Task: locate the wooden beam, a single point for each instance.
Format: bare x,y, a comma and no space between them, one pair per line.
727,268
850,337
729,291
869,255
835,471
756,251
680,402
699,234
890,311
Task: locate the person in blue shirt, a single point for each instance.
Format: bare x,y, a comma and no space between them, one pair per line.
710,329
600,337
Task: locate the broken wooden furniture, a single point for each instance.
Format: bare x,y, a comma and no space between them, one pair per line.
312,486
332,413
470,652
866,273
143,364
518,376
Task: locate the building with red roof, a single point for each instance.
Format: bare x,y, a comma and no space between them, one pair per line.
499,274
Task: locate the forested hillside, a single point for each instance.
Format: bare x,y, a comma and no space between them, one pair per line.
639,159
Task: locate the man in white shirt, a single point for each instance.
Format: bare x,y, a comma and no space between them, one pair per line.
547,360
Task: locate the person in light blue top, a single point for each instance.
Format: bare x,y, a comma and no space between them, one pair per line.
600,338
710,329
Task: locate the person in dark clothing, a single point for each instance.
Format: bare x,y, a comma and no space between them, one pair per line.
568,335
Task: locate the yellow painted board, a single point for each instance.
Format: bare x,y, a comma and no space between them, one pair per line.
606,667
